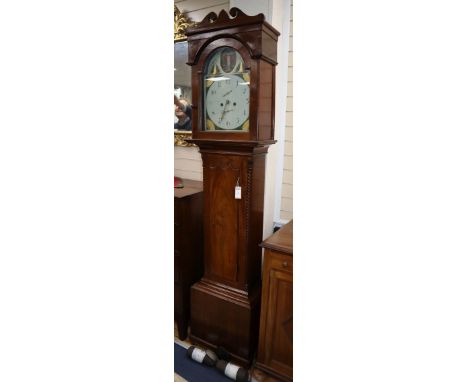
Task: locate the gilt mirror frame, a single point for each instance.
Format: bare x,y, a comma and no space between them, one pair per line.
181,23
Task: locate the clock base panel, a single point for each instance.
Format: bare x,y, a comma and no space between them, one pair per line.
225,317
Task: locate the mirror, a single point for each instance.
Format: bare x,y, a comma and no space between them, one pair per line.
182,72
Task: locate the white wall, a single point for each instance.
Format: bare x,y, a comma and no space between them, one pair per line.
286,212
188,163
253,8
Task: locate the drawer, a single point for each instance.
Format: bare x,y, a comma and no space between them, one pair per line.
279,261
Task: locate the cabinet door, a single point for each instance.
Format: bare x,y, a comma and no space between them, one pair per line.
276,349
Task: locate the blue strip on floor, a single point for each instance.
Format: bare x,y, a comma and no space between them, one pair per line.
193,371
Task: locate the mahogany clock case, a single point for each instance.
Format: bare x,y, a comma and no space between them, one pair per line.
225,303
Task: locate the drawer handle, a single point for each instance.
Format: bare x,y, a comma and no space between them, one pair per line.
285,264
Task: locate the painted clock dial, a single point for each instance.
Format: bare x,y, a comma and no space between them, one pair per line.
226,92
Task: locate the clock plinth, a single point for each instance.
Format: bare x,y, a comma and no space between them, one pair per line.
226,317
233,93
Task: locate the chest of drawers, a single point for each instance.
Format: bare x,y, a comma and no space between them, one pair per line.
275,349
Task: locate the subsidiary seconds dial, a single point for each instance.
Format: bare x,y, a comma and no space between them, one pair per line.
227,101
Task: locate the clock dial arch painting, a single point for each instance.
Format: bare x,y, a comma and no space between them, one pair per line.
226,91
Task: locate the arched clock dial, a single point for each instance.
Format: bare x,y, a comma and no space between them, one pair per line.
226,92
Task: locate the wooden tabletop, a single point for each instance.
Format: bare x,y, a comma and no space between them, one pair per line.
281,240
190,187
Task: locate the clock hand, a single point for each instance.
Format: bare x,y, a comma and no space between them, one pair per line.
224,110
230,91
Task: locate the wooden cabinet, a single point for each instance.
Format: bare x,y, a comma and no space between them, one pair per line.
275,350
188,248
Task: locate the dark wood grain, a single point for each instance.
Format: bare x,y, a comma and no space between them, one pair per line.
188,248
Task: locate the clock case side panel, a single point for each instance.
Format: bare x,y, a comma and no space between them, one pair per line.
266,101
254,230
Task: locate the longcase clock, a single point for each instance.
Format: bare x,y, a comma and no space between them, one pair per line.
233,59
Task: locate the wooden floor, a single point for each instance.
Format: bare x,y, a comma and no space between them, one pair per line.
257,375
